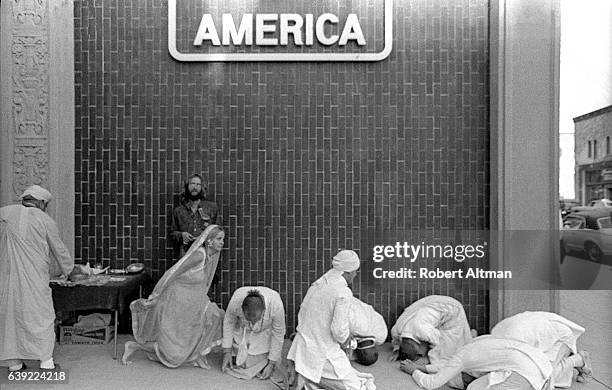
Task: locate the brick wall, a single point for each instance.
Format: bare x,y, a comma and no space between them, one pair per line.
302,159
594,126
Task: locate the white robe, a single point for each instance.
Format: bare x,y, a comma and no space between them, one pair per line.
487,355
549,332
437,320
30,245
266,337
323,324
365,321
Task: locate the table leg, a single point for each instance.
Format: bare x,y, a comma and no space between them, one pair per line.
115,354
140,291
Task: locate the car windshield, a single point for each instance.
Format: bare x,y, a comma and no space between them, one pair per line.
601,203
605,223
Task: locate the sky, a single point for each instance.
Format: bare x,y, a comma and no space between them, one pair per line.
585,73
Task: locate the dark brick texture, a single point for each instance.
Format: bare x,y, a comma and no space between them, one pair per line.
302,158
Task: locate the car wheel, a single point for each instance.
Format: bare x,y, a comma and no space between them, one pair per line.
593,252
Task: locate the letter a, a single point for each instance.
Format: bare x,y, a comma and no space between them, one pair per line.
207,31
352,31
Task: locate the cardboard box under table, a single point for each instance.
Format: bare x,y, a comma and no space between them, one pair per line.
95,335
112,295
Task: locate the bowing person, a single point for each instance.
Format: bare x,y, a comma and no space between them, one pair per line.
435,327
253,333
369,330
554,335
497,364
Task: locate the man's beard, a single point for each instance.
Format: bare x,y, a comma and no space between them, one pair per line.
191,196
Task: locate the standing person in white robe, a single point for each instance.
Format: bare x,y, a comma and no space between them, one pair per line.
369,329
30,248
497,363
253,331
435,327
555,336
323,329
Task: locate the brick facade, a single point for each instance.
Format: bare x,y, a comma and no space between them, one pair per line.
302,159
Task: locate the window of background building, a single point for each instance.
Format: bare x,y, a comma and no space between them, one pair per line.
589,148
595,149
607,145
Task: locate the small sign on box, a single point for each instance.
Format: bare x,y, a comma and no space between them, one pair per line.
97,335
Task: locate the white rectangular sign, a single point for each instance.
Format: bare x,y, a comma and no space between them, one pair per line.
314,30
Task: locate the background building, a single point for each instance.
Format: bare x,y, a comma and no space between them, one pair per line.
593,133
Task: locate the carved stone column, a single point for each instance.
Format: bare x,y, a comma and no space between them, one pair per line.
37,104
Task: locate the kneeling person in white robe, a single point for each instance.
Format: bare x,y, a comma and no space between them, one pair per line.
323,329
30,251
497,363
555,336
434,327
369,330
253,332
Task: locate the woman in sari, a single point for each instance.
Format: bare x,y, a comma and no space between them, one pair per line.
178,324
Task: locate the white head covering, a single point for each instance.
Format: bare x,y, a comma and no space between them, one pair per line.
346,261
37,192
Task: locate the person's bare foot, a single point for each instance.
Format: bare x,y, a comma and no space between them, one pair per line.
18,367
130,348
586,370
47,364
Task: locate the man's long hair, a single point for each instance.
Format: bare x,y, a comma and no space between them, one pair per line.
185,196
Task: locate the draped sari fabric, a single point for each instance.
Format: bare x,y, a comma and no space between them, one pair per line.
178,316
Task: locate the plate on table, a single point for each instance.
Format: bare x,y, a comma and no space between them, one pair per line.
98,271
134,268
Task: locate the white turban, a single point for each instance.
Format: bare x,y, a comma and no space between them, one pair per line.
37,192
346,261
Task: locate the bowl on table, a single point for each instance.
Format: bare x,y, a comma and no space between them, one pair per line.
134,268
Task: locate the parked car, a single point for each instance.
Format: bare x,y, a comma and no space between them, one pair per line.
566,205
601,203
589,232
594,204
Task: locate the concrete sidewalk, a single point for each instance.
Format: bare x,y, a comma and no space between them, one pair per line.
592,309
92,367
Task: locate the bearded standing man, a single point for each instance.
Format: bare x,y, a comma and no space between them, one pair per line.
30,246
194,214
